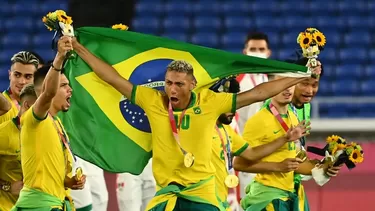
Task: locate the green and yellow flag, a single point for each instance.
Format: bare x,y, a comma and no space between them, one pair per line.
104,127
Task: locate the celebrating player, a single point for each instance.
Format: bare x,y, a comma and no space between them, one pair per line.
45,148
181,123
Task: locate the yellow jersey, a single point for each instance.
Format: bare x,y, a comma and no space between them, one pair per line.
43,158
263,128
10,161
237,146
195,133
13,112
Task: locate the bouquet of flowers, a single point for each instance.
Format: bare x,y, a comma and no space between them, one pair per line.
59,22
312,41
336,152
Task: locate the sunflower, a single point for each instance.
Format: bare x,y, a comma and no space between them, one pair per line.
332,138
120,27
64,19
356,156
319,38
341,143
311,30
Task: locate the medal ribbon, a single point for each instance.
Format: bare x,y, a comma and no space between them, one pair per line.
9,93
176,128
63,137
278,117
302,139
226,149
17,121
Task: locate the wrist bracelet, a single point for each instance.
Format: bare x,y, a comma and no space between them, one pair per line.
53,67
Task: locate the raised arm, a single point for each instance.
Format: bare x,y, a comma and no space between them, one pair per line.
52,81
105,71
5,105
269,89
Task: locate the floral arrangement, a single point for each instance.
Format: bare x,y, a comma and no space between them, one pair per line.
61,23
339,152
120,27
312,41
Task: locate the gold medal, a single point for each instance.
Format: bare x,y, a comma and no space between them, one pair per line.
188,160
231,181
79,173
302,155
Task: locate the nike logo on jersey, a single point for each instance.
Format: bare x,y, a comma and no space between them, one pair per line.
276,131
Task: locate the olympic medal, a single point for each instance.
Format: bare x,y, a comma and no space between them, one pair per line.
188,160
79,173
231,181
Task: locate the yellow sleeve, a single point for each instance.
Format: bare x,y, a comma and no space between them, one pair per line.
29,118
253,131
144,97
4,138
238,144
224,102
9,115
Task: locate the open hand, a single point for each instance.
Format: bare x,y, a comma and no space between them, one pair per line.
75,184
295,133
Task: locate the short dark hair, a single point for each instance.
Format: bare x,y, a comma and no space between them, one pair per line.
41,60
28,91
257,36
41,74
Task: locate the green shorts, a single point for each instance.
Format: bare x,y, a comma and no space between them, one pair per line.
186,205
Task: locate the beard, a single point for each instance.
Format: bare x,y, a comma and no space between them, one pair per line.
224,119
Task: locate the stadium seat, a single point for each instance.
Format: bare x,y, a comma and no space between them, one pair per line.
176,24
345,87
15,40
25,7
353,55
329,71
208,8
325,87
368,88
205,39
359,38
352,71
265,22
237,23
146,25
143,9
42,40
233,40
207,24
334,110
242,8
372,55
370,72
18,25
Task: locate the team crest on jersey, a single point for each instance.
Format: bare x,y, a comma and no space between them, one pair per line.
197,110
149,74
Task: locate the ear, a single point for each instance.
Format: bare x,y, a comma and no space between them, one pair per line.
244,51
269,53
26,104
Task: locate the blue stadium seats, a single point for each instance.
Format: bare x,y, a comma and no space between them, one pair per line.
368,87
325,87
208,7
25,7
345,87
329,71
353,55
206,39
334,110
176,24
239,8
148,25
233,39
42,40
18,24
352,71
237,23
15,40
207,24
266,22
143,9
359,38
370,72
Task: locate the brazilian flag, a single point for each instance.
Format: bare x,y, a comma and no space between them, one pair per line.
104,127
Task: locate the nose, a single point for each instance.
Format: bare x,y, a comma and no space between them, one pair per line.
70,90
22,80
173,89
